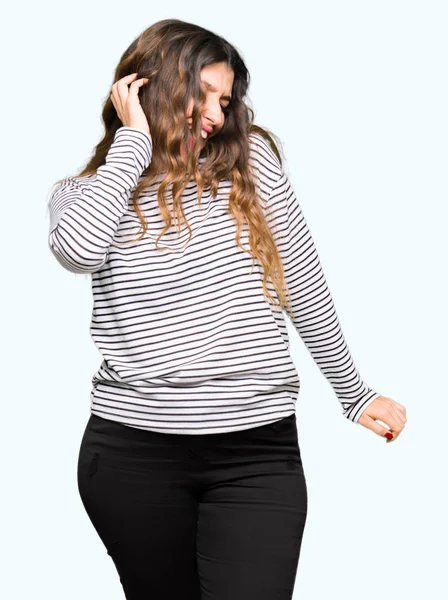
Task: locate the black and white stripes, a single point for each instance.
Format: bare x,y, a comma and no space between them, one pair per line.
189,343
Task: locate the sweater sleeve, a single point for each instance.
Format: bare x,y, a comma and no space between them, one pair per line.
85,214
315,317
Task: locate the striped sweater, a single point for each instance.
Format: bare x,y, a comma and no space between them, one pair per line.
189,344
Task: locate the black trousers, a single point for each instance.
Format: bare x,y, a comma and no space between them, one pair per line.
197,517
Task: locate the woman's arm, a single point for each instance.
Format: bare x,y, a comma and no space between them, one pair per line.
84,214
315,319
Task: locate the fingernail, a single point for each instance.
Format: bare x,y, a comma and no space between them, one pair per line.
389,435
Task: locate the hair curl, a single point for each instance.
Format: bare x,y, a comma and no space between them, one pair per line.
171,54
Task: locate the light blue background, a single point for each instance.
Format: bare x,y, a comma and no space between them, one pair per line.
357,93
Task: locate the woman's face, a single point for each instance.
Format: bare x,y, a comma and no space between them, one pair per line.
217,82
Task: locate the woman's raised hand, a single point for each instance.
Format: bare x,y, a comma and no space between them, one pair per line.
124,97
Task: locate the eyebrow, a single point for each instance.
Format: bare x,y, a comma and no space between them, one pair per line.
213,89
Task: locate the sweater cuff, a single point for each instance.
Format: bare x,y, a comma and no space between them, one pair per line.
354,412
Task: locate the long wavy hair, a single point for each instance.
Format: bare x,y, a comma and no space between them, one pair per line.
171,54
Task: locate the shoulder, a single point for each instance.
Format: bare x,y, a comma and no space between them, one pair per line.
264,162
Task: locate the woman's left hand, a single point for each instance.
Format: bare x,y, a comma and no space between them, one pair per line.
387,410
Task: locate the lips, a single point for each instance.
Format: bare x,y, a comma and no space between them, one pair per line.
205,130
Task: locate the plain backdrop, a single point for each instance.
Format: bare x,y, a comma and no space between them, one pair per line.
357,92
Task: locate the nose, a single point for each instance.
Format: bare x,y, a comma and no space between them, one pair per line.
212,113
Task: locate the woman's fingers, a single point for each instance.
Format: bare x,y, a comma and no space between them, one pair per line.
124,96
390,421
395,424
134,87
122,87
402,419
389,412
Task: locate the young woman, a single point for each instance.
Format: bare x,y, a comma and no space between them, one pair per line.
190,468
